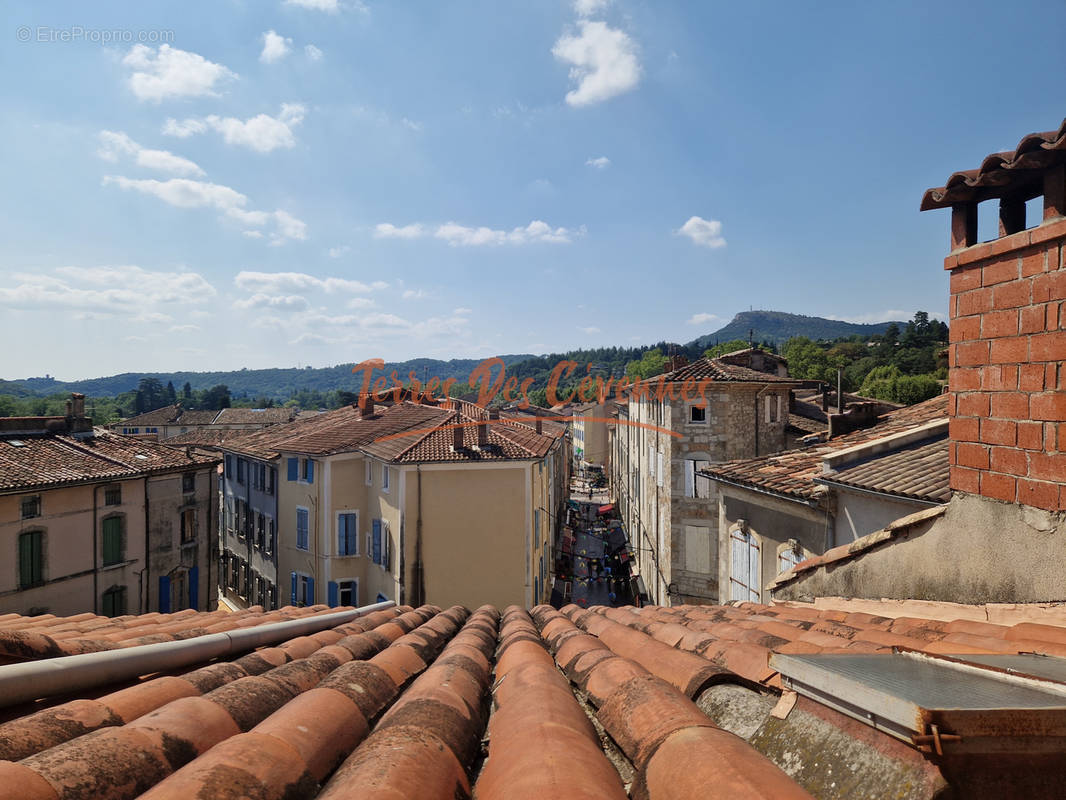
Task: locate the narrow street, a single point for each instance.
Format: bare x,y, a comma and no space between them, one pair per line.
592,554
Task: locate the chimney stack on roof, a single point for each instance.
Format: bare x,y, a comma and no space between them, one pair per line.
457,433
539,426
366,405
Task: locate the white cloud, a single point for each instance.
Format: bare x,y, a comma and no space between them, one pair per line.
169,72
411,124
275,283
359,302
603,62
462,235
185,193
415,294
115,143
586,8
700,319
536,231
275,47
704,232
590,330
184,328
462,312
602,162
292,302
128,290
183,128
337,252
386,230
262,133
312,53
331,6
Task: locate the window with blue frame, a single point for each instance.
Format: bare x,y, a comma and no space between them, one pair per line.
347,533
375,542
301,529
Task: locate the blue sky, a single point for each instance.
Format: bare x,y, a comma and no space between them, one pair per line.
315,182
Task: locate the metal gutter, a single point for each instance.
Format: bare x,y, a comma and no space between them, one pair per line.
31,680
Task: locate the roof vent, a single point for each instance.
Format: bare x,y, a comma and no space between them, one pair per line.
941,704
16,442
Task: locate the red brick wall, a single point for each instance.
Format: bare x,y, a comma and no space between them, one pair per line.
1007,379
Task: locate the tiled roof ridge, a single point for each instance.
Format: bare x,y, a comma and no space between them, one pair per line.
425,434
134,419
1035,150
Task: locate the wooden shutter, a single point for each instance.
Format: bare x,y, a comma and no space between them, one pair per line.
376,542
310,591
310,471
293,467
332,594
30,559
164,594
738,576
690,478
112,540
754,580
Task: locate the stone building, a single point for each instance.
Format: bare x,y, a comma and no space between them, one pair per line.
95,522
708,411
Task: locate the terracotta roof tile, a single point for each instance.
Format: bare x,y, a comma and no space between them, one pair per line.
718,370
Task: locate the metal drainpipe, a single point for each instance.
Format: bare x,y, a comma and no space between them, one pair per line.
96,564
147,549
418,576
36,679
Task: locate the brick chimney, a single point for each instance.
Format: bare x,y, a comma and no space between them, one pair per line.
488,418
538,424
366,405
457,432
1008,327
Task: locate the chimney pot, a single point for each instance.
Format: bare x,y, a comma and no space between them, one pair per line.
366,405
539,424
457,433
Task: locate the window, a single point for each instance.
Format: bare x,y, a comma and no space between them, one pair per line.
348,593
291,465
229,466
31,507
301,529
695,484
31,559
270,536
188,525
347,534
188,482
114,601
240,470
697,415
789,557
375,542
113,496
772,402
306,596
744,578
369,472
308,471
112,540
260,531
272,477
384,477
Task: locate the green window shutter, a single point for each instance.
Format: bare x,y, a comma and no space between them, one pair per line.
112,540
30,559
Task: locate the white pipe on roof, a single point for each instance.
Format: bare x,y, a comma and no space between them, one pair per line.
31,680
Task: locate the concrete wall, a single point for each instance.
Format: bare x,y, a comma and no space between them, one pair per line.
858,514
979,551
475,532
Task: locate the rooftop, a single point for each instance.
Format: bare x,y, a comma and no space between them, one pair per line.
390,702
254,416
1011,172
718,370
46,461
917,471
405,432
791,473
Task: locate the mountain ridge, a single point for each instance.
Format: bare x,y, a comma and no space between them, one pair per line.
778,327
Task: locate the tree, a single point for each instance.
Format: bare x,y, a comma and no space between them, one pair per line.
150,395
726,347
186,393
171,396
652,363
217,397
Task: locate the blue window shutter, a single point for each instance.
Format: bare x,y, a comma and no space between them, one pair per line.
310,591
310,471
376,542
342,533
293,466
194,588
332,594
164,594
294,580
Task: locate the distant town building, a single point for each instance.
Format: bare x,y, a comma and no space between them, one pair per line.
401,502
95,522
174,420
664,439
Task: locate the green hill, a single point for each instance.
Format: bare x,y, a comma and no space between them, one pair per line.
779,326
